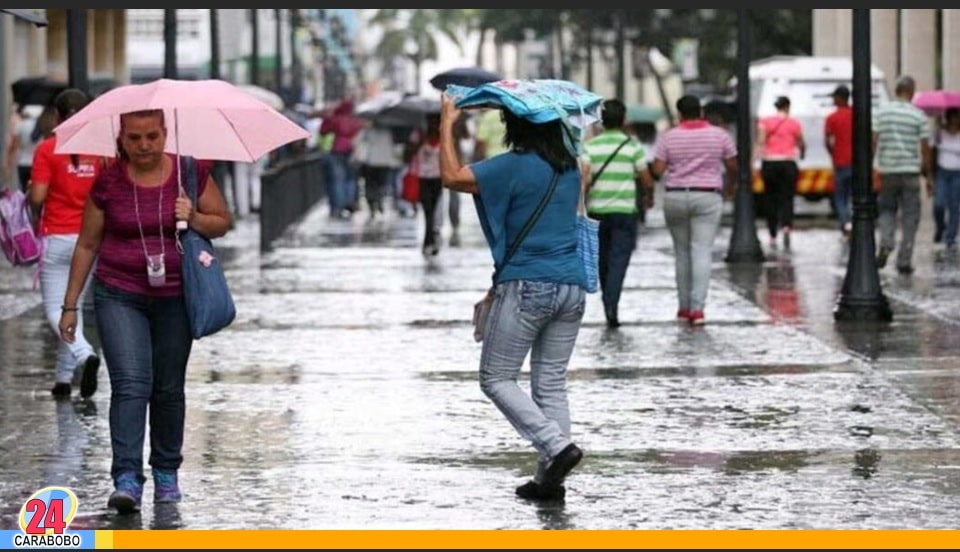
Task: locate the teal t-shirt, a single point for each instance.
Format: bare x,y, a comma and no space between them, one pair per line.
511,185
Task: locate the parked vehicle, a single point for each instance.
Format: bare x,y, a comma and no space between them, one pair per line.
809,82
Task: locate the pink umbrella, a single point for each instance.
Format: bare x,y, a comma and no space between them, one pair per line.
207,119
935,102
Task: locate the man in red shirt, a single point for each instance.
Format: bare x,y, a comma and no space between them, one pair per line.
838,136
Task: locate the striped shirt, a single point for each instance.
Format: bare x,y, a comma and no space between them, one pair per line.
615,189
694,152
900,127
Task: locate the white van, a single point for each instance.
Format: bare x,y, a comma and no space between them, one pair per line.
809,82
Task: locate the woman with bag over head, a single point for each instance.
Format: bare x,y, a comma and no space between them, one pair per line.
129,226
60,184
539,295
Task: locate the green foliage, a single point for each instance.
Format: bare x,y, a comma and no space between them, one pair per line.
774,31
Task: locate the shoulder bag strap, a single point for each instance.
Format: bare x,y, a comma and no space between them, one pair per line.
529,225
596,175
190,175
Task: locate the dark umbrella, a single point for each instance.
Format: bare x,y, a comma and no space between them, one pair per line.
412,111
33,16
464,76
36,90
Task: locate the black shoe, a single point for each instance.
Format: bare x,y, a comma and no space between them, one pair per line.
531,490
905,270
88,378
613,321
938,234
882,257
560,466
61,390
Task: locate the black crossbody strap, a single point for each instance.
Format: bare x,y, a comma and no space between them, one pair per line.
529,225
597,174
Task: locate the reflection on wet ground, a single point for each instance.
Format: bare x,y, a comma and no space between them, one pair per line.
348,387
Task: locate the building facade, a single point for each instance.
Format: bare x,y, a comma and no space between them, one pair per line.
924,44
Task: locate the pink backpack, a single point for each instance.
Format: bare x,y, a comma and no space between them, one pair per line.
18,240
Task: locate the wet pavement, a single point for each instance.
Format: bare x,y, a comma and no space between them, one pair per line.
345,396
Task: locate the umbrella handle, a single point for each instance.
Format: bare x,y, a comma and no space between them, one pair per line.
181,224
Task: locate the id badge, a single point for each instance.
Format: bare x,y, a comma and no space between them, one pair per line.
156,270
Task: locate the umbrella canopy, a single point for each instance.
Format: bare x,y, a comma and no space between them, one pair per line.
36,90
370,107
538,100
266,96
935,102
639,113
206,119
463,76
42,90
33,16
411,111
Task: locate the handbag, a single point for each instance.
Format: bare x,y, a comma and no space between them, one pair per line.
209,303
481,309
410,182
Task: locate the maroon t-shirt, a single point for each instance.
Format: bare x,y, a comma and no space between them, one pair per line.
121,262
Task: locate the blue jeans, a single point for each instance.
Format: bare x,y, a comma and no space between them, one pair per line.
618,239
146,346
946,203
543,319
343,183
843,194
54,273
693,219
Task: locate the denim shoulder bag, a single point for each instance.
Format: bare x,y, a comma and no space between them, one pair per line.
481,310
209,303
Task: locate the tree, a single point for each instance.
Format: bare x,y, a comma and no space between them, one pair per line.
411,34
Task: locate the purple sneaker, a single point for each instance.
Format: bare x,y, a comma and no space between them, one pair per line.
128,491
165,488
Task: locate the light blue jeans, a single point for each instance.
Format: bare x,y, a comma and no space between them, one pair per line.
543,319
54,273
693,219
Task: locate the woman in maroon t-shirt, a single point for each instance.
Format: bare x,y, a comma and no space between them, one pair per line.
129,226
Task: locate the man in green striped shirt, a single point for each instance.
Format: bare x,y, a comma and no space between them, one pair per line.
901,145
613,168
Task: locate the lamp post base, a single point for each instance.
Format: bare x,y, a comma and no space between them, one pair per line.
875,309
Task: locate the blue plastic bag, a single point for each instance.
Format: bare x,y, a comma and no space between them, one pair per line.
588,249
537,100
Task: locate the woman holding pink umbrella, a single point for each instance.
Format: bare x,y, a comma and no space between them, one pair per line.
129,226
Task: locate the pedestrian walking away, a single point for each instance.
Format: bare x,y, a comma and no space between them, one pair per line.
838,137
901,143
424,146
526,200
614,166
129,225
779,146
946,195
60,184
693,156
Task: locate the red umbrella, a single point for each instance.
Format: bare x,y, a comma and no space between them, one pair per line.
935,102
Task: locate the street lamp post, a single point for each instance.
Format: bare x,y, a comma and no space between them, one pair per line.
214,45
254,47
861,297
744,244
169,44
278,45
77,49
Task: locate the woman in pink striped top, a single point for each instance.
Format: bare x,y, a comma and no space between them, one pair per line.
692,158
